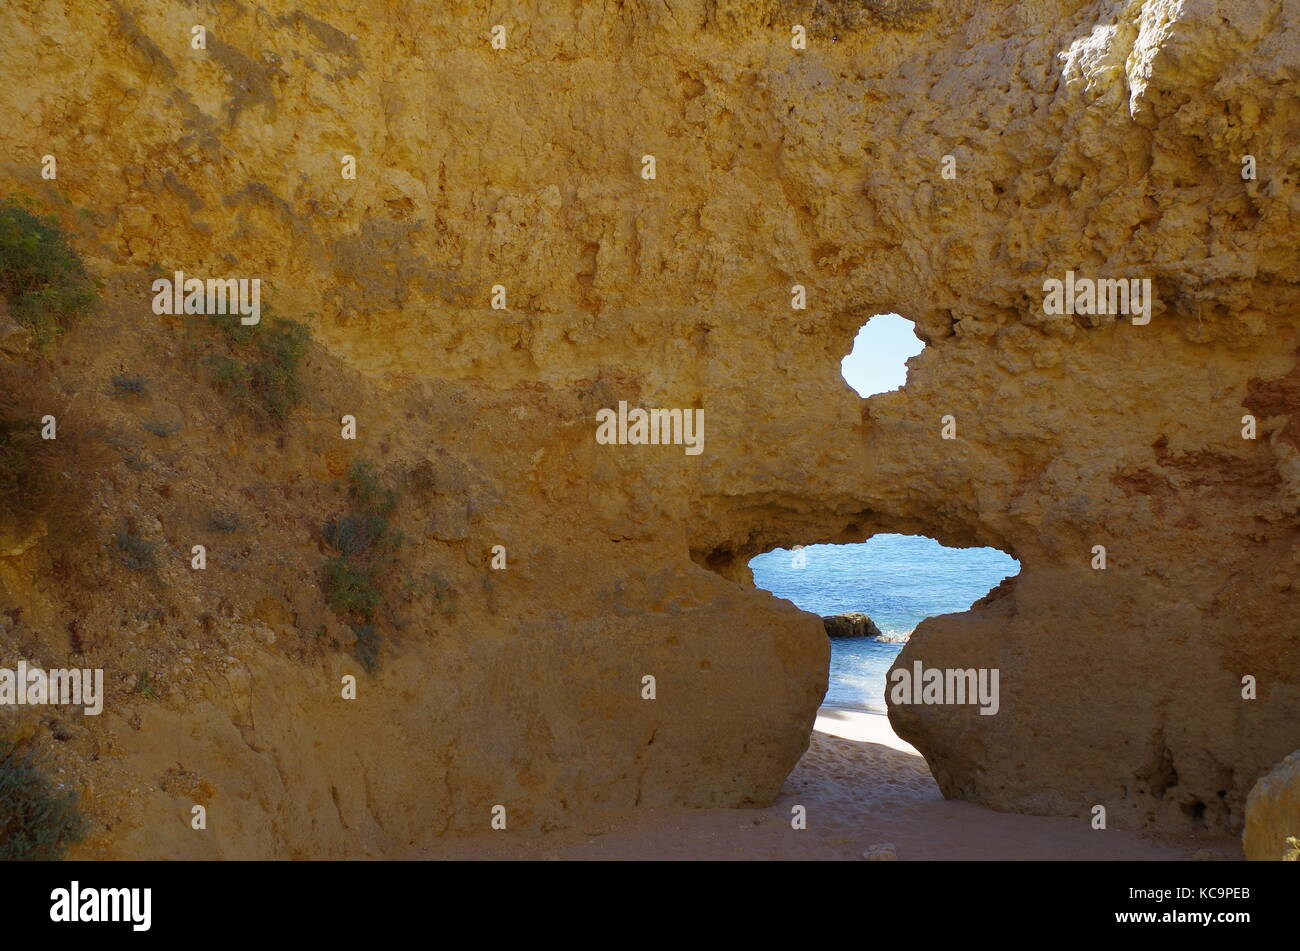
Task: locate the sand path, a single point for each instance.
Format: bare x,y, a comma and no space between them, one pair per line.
862,786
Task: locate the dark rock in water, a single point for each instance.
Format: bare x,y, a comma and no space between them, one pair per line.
852,624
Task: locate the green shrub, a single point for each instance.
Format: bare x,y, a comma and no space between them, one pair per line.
364,486
234,332
40,273
233,379
350,587
354,533
260,368
366,546
36,821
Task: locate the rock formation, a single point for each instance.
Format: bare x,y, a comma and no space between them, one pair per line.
939,159
1273,814
850,624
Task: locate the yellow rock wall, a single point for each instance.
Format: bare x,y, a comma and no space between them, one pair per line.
1100,137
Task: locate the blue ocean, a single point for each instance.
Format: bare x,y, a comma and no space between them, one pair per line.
898,580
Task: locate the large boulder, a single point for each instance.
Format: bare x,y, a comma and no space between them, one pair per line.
1273,814
850,624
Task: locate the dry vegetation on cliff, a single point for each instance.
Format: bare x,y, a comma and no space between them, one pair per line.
42,277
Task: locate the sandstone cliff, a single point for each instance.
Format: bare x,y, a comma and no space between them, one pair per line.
1102,136
1273,814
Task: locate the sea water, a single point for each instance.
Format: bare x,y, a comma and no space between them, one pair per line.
898,580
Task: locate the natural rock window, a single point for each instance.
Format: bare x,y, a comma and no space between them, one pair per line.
894,581
877,362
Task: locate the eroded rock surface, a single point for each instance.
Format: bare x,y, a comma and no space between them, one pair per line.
1105,138
1273,814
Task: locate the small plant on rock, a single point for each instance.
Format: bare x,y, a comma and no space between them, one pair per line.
40,273
37,821
366,543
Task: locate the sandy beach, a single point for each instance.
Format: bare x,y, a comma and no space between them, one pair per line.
863,787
